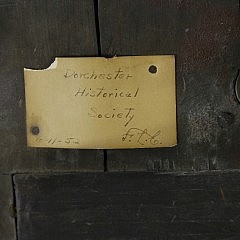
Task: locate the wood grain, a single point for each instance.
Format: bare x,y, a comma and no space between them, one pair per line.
32,34
204,36
7,212
128,206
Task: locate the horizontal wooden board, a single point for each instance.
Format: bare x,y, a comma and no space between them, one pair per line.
128,206
7,211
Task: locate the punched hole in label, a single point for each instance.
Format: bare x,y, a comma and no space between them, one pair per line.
35,130
152,69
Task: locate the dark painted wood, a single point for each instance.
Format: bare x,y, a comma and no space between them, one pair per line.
7,222
128,206
204,36
32,33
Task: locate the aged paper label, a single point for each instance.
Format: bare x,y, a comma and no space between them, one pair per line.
120,102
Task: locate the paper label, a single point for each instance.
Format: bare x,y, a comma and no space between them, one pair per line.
95,103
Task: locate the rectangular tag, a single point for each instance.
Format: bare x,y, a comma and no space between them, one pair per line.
102,103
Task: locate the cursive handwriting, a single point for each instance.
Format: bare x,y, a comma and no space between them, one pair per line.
126,114
106,93
141,136
117,74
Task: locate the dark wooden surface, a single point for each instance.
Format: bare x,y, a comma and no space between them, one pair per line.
204,36
122,206
7,221
32,33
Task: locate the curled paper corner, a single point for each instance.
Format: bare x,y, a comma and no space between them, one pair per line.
52,66
173,145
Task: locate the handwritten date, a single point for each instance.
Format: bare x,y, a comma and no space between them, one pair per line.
54,141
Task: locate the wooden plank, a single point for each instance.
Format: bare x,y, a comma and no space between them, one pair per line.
7,222
204,36
32,33
128,206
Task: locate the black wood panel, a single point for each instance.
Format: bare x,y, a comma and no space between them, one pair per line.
128,206
7,221
32,33
204,36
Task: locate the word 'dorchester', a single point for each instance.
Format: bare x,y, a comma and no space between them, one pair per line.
118,74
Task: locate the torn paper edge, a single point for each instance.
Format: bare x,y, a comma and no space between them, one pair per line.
52,66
